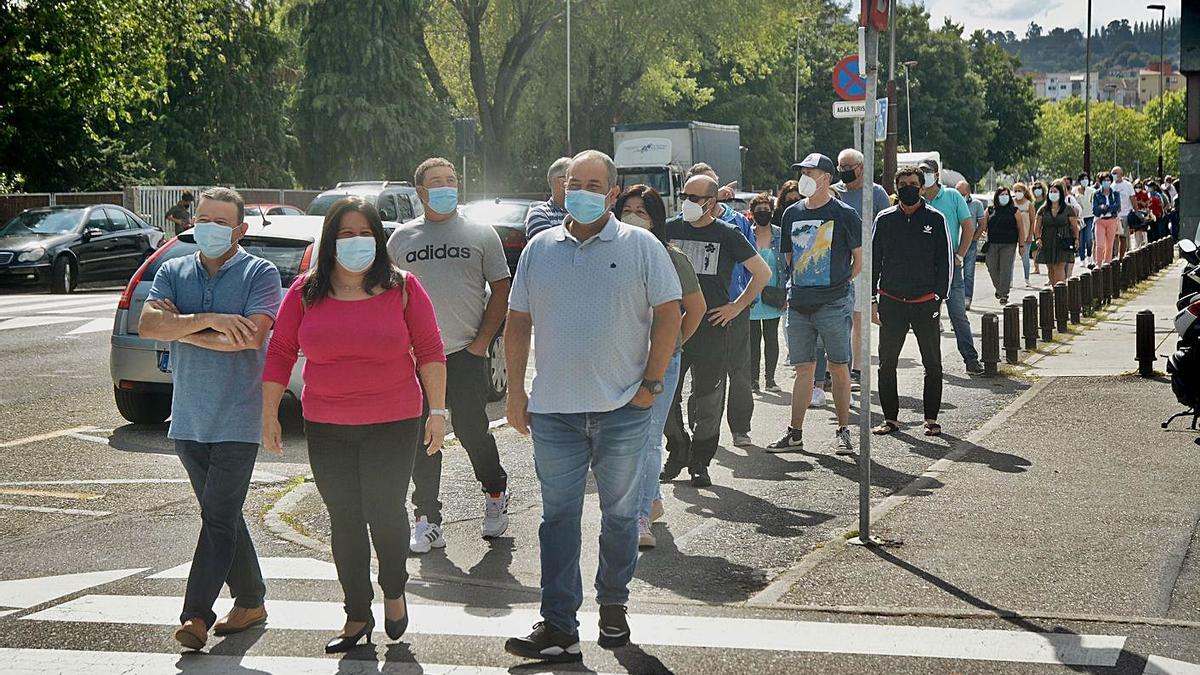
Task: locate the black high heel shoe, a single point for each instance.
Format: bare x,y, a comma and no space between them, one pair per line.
395,629
344,643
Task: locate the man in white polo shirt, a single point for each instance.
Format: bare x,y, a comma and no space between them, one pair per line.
604,299
1125,189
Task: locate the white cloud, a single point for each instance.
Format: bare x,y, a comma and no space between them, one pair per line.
1015,15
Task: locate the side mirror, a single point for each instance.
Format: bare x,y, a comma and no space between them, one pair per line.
90,232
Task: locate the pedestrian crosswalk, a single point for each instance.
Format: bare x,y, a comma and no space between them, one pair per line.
75,314
38,601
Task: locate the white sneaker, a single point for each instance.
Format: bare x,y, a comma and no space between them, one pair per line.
425,536
818,398
646,538
495,516
844,445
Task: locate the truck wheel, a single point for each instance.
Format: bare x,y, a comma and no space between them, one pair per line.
62,275
497,371
143,408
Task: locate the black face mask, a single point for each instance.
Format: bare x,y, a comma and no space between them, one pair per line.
847,175
762,217
909,194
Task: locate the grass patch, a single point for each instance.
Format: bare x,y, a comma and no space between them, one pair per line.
276,495
295,524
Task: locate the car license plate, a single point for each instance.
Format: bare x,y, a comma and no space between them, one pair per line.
164,361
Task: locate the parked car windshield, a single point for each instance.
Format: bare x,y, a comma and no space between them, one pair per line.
43,222
490,213
320,205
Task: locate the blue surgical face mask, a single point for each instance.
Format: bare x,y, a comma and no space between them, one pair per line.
214,240
585,207
443,200
356,254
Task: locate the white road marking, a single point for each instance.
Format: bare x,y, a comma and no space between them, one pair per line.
6,612
20,299
47,509
1161,665
34,321
93,326
666,630
256,477
272,568
41,661
62,305
27,593
42,437
88,437
55,494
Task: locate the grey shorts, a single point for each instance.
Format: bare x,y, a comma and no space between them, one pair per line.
1123,230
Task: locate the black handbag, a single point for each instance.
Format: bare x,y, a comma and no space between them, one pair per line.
775,296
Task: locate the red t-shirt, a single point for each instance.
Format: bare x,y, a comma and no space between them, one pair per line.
361,356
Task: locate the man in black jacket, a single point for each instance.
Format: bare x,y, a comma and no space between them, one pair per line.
911,267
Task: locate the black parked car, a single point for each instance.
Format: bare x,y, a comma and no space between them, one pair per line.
60,246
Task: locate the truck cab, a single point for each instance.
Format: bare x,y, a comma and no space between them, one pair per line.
647,161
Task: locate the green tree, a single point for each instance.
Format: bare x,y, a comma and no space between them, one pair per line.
363,109
75,77
1174,108
1009,100
225,116
1120,136
949,111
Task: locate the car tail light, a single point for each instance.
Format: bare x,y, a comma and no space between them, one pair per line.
127,294
306,261
1194,308
512,237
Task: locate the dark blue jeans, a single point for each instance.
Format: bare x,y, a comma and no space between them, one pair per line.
564,446
220,476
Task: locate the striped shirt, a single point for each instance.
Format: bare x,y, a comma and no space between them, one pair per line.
543,216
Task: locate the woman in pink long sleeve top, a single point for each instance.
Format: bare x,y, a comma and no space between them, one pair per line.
370,339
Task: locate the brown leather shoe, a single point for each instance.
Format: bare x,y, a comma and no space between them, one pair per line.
192,634
239,619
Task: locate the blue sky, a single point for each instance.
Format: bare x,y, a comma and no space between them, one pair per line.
1015,15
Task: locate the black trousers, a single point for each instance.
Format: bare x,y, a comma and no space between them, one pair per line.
764,333
705,356
466,397
741,396
896,318
362,473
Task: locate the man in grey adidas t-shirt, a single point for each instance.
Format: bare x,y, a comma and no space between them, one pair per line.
457,262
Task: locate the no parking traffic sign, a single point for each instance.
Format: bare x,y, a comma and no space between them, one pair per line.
848,84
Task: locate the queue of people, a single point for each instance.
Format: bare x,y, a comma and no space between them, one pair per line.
649,296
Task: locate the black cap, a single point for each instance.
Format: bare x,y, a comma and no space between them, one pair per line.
929,165
816,161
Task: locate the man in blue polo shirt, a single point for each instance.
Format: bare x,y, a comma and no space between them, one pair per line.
961,225
216,309
603,299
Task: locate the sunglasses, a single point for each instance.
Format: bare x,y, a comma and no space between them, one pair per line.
695,198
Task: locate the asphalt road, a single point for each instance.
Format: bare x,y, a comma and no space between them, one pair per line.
96,519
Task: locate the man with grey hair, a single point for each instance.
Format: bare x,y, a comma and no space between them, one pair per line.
597,291
739,380
550,213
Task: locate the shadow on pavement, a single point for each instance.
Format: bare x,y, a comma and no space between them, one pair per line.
1074,650
634,659
881,476
492,570
997,461
734,506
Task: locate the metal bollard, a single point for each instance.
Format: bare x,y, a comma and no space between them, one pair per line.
1060,306
1029,312
1086,293
990,339
1046,313
1144,345
1074,301
1012,332
1117,279
1103,290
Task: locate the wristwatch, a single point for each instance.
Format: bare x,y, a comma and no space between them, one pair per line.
440,412
653,386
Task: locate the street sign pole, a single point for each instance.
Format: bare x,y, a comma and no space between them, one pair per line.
858,135
870,40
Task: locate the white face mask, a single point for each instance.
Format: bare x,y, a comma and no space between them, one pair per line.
1053,196
1018,196
1084,183
1002,200
930,180
807,186
636,221
692,211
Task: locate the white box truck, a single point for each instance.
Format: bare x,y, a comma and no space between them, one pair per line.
658,154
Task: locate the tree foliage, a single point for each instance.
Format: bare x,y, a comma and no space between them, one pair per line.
1120,136
1009,99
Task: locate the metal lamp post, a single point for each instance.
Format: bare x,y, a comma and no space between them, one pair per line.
1162,24
796,100
1113,88
1087,99
908,100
